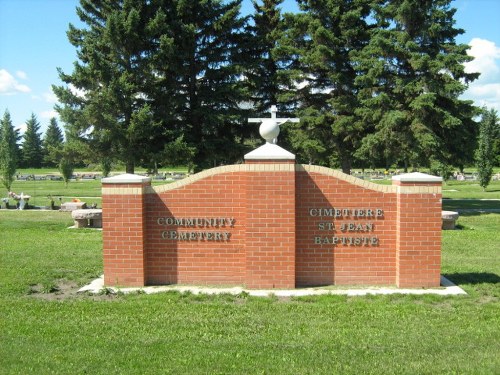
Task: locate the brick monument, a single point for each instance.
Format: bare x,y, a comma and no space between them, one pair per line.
271,223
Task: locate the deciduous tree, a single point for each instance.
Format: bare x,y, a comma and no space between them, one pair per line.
8,151
484,153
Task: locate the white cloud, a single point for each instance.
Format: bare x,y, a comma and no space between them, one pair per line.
22,75
22,128
76,91
50,97
485,91
9,85
49,114
486,60
485,95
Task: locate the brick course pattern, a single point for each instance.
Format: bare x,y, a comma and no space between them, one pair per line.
272,225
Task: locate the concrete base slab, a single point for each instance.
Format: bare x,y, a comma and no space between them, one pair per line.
447,288
75,227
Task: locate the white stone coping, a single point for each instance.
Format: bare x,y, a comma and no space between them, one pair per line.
449,215
234,168
348,178
271,167
126,178
269,151
417,177
447,288
90,213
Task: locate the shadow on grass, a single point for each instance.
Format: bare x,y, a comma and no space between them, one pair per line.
470,213
470,204
473,278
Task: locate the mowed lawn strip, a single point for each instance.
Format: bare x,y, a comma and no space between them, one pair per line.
456,194
47,329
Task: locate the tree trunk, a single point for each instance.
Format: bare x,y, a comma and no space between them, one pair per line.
346,165
129,167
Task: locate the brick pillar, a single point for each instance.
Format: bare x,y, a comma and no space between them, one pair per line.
123,214
270,218
418,240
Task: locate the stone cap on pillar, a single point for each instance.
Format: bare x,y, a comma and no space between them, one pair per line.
417,177
126,178
270,151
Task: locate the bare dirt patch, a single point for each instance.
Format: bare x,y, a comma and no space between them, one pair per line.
63,290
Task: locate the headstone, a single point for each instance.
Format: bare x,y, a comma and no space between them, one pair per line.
71,206
449,219
87,218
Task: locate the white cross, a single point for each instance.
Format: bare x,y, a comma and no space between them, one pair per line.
270,127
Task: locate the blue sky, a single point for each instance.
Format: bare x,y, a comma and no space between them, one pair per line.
33,44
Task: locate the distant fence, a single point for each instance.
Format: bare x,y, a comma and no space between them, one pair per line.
174,176
166,176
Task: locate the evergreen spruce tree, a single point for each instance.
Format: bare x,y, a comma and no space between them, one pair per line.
199,75
8,151
153,72
263,65
484,153
320,42
53,140
106,100
32,144
410,77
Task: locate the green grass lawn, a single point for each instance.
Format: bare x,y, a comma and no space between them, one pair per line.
88,191
470,190
456,194
46,328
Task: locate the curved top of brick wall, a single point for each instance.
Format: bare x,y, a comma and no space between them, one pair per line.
275,168
224,169
348,178
432,188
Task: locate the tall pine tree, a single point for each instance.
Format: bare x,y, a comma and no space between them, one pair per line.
32,144
410,76
53,140
106,100
199,75
153,72
8,151
322,40
262,67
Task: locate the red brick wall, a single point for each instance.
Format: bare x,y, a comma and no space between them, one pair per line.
418,244
270,239
123,235
349,262
272,225
199,261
